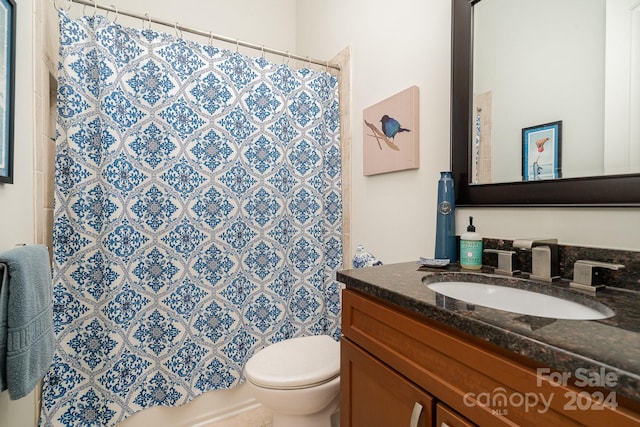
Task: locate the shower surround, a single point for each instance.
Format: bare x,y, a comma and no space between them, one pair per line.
198,218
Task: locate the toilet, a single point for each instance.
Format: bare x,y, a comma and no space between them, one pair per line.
298,379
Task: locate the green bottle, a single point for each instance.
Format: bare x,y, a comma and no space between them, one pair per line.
471,248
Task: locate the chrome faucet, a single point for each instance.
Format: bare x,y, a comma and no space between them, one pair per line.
544,257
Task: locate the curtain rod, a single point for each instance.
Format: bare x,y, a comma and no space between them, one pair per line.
209,34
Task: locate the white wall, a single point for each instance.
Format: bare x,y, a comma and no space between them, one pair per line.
396,45
271,23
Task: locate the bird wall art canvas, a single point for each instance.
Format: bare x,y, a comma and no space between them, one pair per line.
391,134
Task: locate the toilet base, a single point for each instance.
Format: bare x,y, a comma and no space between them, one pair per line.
307,407
328,417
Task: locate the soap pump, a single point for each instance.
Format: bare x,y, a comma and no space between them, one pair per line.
471,248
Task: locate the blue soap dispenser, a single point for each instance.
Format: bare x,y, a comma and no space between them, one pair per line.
471,248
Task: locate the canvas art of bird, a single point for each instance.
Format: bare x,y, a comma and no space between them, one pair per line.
391,127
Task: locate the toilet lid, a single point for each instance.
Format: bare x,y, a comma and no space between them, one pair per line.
295,363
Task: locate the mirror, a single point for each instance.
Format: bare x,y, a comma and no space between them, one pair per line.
582,178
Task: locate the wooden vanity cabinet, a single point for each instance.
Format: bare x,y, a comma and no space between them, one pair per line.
379,396
393,362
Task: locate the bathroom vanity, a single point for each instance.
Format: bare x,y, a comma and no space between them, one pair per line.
411,357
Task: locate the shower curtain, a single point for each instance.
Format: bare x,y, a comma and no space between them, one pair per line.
197,218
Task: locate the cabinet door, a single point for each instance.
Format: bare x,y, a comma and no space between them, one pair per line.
447,417
374,395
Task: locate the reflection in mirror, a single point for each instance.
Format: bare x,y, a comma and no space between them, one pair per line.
551,65
596,139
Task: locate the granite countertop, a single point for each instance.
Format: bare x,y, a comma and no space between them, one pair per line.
583,347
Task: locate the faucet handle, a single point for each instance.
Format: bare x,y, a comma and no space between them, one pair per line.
610,266
585,271
505,261
533,242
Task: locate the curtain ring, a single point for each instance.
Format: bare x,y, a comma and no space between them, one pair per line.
210,38
95,8
149,19
237,45
326,67
58,8
262,51
178,32
116,18
288,57
308,62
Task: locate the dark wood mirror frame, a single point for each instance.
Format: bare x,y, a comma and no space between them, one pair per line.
609,190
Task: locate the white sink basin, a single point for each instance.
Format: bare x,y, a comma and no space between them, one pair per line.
520,301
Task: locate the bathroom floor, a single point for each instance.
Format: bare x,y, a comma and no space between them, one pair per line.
259,417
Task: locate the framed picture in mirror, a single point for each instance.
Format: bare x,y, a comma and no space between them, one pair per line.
7,59
541,151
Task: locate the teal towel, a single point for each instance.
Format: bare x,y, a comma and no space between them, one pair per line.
26,319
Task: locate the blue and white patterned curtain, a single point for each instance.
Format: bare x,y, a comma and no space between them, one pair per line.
197,218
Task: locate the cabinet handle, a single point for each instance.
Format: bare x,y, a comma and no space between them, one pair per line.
444,424
415,415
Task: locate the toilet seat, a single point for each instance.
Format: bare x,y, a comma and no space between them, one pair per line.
295,363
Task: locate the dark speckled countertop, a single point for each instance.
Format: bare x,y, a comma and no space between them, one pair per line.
597,346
